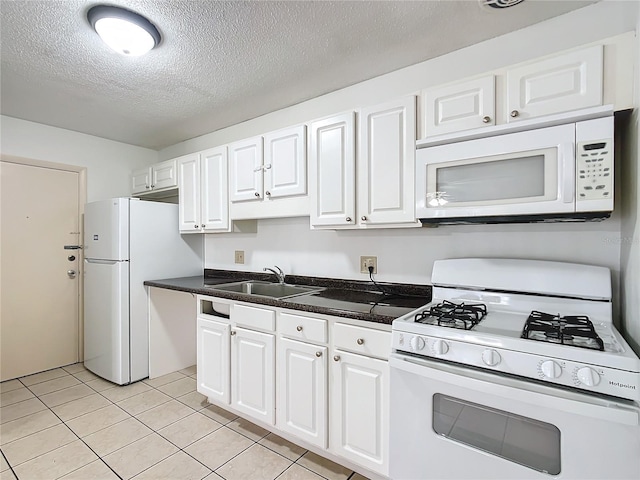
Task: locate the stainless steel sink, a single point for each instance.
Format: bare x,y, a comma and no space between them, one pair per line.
266,289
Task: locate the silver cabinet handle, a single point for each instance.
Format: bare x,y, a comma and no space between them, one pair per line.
363,218
196,226
232,333
486,119
267,167
348,219
299,328
153,186
147,186
514,113
318,354
203,225
360,341
267,193
257,194
336,358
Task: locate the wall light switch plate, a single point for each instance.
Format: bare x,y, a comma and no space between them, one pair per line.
366,262
239,256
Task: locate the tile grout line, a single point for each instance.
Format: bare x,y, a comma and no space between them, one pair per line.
74,433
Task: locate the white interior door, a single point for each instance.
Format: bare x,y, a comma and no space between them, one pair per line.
39,299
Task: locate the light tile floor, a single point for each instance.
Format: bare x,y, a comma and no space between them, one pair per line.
68,423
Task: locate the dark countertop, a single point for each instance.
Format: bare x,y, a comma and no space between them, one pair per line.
341,298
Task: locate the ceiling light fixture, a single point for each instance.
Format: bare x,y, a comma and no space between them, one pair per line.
124,31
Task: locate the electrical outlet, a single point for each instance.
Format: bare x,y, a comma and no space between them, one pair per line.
239,256
366,262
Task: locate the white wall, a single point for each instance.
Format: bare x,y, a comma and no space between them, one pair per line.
109,164
630,232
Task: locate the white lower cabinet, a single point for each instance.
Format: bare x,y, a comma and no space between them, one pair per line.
359,413
302,390
213,360
323,380
252,373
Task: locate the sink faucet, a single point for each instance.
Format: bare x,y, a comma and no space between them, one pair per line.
279,273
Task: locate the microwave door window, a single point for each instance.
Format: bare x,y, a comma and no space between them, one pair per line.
510,180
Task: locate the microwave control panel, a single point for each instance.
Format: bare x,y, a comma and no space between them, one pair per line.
594,170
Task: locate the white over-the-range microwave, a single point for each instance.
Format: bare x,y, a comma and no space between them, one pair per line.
556,169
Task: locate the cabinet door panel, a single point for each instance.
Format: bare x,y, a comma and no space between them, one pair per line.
141,180
359,410
189,193
332,171
214,191
302,390
285,163
559,84
252,373
165,175
386,163
213,359
245,170
463,106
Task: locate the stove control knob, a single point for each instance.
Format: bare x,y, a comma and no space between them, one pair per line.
417,343
588,376
490,357
440,347
551,369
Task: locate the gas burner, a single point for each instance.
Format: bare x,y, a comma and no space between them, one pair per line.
453,315
576,331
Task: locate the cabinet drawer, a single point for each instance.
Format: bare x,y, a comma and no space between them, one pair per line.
303,328
252,317
366,341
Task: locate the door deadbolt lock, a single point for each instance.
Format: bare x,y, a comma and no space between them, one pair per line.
71,258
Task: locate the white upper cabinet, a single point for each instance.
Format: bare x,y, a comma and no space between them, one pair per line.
386,163
285,162
556,84
203,199
141,180
158,177
189,193
214,199
384,169
332,171
462,106
268,175
245,168
559,84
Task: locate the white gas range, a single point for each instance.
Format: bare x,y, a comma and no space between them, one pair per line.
508,365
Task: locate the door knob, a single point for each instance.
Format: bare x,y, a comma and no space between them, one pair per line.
71,273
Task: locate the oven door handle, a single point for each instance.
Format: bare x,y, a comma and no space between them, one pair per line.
508,388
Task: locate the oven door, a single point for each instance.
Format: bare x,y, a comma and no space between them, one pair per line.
526,173
453,422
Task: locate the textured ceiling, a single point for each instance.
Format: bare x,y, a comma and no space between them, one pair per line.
223,62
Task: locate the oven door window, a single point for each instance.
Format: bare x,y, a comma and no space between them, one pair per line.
522,440
529,176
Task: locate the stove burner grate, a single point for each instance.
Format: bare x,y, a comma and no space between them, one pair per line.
575,331
448,314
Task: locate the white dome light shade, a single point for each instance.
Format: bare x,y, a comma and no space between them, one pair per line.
124,31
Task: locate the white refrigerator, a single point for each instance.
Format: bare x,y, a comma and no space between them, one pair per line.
128,241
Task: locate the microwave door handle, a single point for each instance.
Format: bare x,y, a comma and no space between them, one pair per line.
566,151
